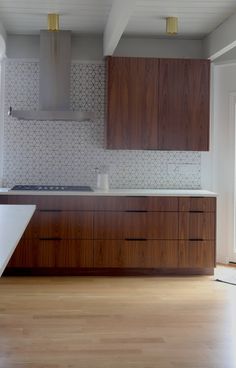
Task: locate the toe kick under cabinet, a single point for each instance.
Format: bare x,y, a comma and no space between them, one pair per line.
116,235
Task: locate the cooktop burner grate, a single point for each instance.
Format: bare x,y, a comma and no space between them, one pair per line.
68,188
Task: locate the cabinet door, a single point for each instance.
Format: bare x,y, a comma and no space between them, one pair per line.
132,109
184,105
135,254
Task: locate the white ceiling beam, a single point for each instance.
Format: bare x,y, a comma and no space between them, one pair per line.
221,40
118,19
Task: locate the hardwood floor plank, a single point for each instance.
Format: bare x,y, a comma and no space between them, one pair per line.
118,322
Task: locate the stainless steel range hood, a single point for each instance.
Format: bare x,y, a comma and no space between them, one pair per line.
54,81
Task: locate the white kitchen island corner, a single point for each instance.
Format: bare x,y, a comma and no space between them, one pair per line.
13,222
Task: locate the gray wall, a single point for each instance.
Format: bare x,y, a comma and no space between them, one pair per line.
90,47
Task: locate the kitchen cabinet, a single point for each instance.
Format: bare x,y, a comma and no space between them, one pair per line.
159,104
184,105
197,232
116,234
132,109
60,234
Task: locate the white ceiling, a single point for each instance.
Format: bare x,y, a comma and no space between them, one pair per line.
196,17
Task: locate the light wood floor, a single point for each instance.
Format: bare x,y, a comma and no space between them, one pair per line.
102,322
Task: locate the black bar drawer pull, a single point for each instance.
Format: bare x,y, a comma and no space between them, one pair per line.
196,211
50,210
48,239
135,197
197,239
135,239
136,211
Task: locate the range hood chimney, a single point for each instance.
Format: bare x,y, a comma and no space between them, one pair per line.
54,81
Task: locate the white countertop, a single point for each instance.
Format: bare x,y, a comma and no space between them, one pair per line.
13,222
119,192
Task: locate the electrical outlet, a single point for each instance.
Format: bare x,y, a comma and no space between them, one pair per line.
172,169
187,169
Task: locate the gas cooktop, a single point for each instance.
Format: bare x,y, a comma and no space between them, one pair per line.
53,188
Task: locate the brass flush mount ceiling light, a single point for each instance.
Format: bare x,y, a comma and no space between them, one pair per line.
172,26
53,22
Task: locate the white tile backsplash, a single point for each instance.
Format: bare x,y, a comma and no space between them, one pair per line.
53,152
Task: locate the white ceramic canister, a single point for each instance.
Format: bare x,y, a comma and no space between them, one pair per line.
102,181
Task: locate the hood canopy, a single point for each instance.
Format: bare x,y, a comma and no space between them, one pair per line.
54,81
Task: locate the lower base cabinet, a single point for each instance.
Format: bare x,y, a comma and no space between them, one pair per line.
102,235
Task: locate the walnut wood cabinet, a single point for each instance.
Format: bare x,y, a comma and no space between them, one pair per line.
197,232
158,104
77,233
132,103
184,105
60,234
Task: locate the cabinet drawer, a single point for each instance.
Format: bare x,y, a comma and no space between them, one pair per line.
135,254
197,204
136,225
137,203
52,253
61,224
197,254
197,225
56,202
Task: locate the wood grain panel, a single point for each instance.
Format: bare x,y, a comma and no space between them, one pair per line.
56,202
136,203
136,225
24,255
64,225
197,204
196,254
33,253
184,105
197,226
132,103
143,254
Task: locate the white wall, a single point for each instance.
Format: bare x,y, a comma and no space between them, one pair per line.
156,47
2,96
90,47
223,157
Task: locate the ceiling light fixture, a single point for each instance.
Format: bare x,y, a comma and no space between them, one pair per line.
53,22
172,26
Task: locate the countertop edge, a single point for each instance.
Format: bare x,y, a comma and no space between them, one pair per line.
120,192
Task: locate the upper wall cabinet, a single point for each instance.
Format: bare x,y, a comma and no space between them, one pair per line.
132,94
183,104
157,104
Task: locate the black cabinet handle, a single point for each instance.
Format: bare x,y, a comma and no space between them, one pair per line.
48,239
135,197
135,239
50,210
196,211
136,211
196,239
